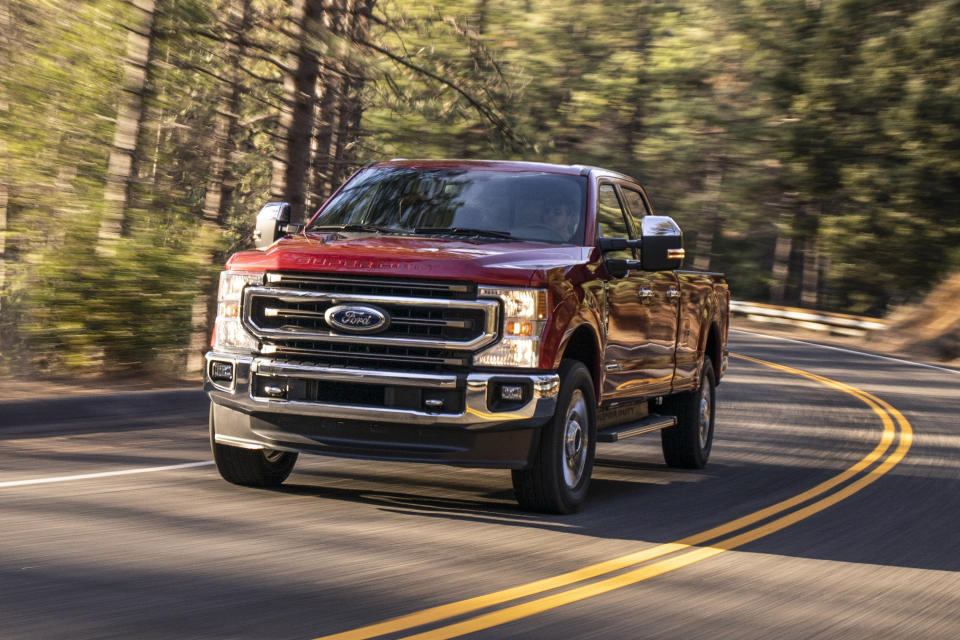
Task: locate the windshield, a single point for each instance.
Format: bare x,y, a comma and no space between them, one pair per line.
545,207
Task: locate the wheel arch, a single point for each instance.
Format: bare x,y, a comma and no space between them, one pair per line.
713,347
583,345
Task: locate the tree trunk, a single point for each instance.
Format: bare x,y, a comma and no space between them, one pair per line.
129,119
710,226
347,109
633,129
810,296
781,257
340,108
4,161
482,17
219,194
351,100
292,162
321,182
810,288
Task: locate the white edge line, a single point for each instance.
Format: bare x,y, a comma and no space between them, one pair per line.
859,353
105,474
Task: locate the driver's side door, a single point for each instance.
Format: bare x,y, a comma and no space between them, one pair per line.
623,305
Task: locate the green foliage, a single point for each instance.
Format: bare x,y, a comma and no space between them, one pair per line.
829,127
129,310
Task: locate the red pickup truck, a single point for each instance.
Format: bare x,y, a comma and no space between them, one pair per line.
474,313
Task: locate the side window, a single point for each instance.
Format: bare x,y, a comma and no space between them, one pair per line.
611,220
637,206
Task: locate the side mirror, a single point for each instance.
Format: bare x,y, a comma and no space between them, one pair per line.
662,244
272,223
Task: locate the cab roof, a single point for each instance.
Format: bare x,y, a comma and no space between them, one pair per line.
500,165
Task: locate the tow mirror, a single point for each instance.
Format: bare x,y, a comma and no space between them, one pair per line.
662,244
273,221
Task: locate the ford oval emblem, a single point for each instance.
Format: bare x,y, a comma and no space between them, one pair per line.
356,318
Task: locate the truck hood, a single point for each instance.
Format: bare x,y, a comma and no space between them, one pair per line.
504,263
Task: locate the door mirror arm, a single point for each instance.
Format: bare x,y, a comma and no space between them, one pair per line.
620,267
617,244
292,229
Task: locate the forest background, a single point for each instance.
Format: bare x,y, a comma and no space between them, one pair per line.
810,149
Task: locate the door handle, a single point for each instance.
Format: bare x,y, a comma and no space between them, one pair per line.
673,294
646,295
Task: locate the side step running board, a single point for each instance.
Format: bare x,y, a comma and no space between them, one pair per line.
650,423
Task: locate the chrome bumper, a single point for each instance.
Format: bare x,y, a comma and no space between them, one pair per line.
238,394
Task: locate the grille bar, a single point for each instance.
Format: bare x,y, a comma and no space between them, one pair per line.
271,312
485,335
423,322
362,284
312,372
352,356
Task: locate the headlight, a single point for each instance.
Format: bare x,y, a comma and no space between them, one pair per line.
524,319
228,332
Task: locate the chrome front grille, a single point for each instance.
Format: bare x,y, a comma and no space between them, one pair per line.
306,315
425,330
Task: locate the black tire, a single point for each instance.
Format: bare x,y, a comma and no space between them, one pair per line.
250,467
687,444
559,477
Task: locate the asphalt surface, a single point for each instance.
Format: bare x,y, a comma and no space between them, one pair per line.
860,537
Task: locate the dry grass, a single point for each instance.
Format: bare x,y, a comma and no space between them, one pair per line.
931,328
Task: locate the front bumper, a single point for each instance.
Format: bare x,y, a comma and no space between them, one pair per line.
465,425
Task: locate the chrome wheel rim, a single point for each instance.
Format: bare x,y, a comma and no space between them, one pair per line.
704,415
575,440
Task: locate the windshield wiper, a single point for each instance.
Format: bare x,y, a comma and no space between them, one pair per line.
354,227
464,231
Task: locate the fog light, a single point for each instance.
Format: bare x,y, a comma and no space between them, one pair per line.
511,392
221,371
275,391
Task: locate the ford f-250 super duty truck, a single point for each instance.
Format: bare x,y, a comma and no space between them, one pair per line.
474,313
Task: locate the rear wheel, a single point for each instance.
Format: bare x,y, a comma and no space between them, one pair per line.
559,477
250,467
687,444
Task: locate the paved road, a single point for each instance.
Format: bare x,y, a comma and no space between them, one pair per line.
843,526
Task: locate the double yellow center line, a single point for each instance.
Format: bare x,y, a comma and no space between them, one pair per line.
681,553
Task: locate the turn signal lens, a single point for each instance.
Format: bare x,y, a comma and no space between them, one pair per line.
518,328
229,310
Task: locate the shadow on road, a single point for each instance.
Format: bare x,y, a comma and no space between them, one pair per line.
787,438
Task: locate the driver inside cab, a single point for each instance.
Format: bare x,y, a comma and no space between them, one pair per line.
561,215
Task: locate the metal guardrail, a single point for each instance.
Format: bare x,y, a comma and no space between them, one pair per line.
836,323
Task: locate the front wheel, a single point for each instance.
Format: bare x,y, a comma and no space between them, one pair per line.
250,467
558,479
687,444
